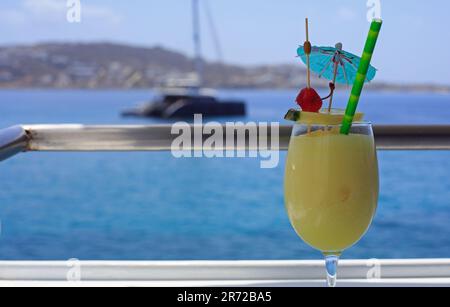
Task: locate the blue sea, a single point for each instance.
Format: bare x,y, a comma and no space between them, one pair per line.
150,206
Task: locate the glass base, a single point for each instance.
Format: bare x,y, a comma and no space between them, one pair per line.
331,263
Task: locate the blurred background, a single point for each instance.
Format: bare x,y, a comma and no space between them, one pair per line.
150,206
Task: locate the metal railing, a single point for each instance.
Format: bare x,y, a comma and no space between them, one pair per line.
13,141
160,138
234,273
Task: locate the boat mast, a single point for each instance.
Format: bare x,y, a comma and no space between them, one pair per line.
197,41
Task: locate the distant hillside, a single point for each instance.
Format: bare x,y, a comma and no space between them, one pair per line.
120,66
105,65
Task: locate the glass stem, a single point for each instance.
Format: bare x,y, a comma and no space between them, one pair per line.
331,263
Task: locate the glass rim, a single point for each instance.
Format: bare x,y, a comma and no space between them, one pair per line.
359,124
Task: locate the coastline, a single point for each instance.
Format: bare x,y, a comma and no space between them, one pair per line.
371,88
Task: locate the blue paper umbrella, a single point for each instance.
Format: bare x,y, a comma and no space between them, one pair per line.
335,64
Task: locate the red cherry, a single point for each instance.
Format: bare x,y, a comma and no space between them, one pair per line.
309,100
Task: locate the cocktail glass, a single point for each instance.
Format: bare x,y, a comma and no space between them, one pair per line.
331,187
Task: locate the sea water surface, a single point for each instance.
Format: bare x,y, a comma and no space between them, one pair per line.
150,206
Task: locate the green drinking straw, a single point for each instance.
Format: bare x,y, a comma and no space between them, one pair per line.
363,68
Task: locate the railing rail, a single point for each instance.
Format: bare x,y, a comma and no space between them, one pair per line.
160,138
223,270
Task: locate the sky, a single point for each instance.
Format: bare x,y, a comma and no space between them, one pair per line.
413,47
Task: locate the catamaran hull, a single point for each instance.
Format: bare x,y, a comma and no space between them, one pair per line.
188,108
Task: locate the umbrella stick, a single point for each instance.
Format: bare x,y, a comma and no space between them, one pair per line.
334,82
307,48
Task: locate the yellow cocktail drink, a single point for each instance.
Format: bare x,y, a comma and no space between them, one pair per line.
331,187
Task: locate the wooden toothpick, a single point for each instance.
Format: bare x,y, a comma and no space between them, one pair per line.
307,48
